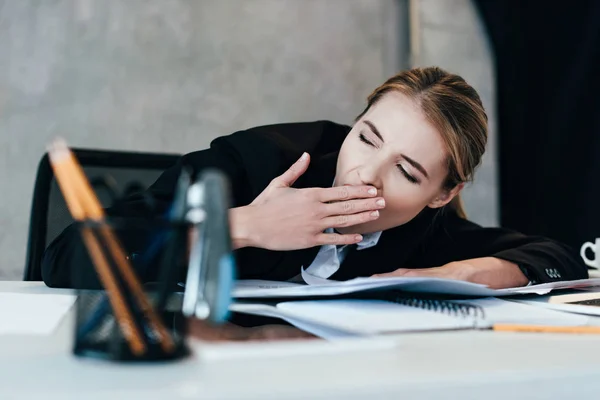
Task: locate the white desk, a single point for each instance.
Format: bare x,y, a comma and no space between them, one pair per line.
453,365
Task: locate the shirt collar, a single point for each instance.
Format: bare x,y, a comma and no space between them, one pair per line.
369,240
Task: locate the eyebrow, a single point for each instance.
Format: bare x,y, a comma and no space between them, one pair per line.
374,129
409,160
416,165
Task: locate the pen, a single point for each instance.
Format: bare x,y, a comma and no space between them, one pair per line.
72,186
546,329
86,206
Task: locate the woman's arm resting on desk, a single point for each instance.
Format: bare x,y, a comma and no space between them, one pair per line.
491,271
497,257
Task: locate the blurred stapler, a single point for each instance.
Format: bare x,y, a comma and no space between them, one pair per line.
211,269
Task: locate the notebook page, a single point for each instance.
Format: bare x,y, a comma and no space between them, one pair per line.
32,314
369,317
443,286
250,287
267,289
255,284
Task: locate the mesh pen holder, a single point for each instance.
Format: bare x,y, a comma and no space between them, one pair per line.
157,252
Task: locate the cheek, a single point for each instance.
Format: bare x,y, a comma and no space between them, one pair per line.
348,158
340,168
405,199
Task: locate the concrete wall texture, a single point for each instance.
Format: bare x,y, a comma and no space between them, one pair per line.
450,34
169,76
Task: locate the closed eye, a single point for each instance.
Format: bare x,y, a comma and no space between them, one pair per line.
364,139
408,176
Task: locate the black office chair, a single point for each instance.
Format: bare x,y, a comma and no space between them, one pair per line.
111,173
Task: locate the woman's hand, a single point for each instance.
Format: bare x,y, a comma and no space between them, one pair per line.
490,271
455,270
284,218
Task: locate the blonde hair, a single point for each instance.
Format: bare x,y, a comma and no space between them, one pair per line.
454,108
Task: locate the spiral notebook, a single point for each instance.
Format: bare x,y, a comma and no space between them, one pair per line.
401,313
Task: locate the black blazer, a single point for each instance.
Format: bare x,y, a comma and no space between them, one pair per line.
252,158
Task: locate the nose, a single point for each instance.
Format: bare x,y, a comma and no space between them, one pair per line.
369,174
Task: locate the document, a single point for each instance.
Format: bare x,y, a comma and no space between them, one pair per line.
316,286
579,302
32,314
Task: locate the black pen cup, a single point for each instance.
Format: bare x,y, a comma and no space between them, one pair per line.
114,320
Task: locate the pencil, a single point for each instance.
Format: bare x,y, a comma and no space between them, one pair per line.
122,314
94,211
546,329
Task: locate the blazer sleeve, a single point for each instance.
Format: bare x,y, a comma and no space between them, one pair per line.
250,159
541,259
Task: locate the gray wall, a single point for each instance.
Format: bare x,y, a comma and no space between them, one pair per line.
449,33
171,75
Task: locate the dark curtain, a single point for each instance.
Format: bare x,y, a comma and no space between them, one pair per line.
548,86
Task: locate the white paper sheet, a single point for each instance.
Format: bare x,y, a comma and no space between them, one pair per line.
253,284
499,311
372,317
324,287
32,314
566,302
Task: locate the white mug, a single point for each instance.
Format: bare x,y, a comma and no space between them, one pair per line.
595,248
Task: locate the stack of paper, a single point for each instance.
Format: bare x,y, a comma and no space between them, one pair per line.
324,287
32,314
579,302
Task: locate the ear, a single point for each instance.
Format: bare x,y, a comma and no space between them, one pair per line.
446,196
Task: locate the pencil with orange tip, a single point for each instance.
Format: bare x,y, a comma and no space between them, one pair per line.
547,329
122,314
94,211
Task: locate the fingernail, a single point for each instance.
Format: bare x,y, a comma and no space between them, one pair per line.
380,202
373,191
358,238
304,156
375,214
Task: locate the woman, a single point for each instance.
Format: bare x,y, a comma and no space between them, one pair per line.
379,198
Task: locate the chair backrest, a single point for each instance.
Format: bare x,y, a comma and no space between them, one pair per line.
109,171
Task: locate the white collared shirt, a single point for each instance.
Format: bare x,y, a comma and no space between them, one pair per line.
330,257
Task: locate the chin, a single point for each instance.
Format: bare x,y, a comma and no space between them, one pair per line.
363,229
370,227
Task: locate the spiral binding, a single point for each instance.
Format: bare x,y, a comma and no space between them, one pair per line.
454,308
